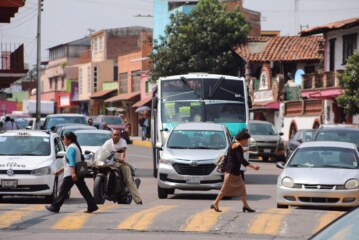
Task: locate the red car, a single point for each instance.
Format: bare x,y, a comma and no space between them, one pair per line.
115,123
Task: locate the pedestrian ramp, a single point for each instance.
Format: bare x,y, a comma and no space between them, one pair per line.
166,218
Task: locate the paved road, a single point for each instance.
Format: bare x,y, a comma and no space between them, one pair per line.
185,215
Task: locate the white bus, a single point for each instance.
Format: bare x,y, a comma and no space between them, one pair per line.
197,97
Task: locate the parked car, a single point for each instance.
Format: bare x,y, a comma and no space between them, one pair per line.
91,140
303,135
345,227
115,123
320,174
28,161
338,133
54,119
32,123
189,157
268,141
61,129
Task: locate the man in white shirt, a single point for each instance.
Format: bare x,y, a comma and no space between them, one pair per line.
119,146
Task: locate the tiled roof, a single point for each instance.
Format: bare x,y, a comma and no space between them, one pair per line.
292,48
351,22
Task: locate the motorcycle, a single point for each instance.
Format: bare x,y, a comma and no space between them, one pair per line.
109,183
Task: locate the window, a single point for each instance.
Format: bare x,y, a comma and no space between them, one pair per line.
332,54
115,73
62,83
50,81
89,80
80,81
95,79
123,83
135,81
101,43
349,45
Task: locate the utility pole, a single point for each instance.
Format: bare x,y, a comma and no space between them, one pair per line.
296,16
38,65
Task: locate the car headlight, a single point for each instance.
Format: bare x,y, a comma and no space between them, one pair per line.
252,144
351,184
166,161
41,171
288,182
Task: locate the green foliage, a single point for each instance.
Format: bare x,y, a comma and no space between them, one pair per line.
349,80
201,41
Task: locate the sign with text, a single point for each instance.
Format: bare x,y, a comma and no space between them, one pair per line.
263,96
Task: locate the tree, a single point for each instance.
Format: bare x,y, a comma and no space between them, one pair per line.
349,80
201,41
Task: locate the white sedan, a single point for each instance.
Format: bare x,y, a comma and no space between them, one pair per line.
320,174
28,161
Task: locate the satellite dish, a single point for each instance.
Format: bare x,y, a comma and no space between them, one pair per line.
298,76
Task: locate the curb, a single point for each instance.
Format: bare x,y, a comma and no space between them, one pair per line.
142,143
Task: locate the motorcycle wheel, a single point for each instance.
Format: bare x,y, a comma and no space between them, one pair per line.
99,192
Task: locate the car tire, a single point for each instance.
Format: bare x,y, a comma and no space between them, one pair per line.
282,206
99,192
265,159
162,192
171,191
55,192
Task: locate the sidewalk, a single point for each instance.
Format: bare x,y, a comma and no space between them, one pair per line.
139,142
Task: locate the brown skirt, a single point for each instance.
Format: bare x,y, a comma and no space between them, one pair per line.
233,186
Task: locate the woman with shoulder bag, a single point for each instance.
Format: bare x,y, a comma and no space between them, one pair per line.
73,155
233,184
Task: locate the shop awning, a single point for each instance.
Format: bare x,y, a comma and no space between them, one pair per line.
142,102
266,105
322,94
122,97
103,93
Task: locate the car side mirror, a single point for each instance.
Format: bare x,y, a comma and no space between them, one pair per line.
299,140
159,146
60,154
87,152
280,165
164,130
52,128
281,134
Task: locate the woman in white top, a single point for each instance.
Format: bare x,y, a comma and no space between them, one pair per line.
73,155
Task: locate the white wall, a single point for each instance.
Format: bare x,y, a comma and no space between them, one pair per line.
302,123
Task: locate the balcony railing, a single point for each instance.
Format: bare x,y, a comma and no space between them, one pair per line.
11,57
320,80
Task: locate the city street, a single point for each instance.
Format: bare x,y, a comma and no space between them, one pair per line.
185,215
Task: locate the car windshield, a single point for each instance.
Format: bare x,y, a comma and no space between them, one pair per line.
324,157
308,136
112,120
92,139
25,145
339,135
53,121
197,139
262,129
21,123
346,227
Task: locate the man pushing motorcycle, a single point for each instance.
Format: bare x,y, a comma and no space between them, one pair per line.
119,146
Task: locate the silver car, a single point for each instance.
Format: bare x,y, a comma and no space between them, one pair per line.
188,158
324,174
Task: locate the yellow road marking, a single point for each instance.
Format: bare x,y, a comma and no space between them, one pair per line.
203,221
269,222
76,220
10,217
143,219
326,219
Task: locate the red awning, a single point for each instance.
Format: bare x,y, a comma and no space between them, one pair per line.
267,105
101,94
122,97
142,102
322,94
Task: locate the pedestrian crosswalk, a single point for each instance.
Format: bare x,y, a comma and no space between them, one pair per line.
169,217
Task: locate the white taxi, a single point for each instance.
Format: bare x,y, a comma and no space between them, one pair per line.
28,161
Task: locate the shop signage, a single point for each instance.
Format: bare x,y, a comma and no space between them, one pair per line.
263,96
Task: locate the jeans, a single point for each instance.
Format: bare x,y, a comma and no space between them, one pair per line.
66,186
143,133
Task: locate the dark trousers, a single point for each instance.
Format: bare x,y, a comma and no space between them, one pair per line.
66,186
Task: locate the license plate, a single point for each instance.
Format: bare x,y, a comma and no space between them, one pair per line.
8,183
266,150
193,180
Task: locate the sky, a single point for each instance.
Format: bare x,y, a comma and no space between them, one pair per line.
67,20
